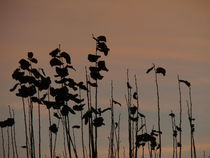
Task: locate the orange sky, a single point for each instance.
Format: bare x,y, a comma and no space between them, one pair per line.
172,34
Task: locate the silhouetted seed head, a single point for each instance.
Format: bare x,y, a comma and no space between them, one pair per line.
185,82
102,66
62,72
135,96
49,104
53,128
128,85
24,146
26,91
55,62
101,39
78,107
30,55
150,69
9,122
102,47
161,70
34,60
36,100
116,125
98,122
36,73
55,52
96,75
133,110
44,83
179,144
93,58
66,109
175,133
24,64
66,56
3,124
76,126
172,114
17,74
87,115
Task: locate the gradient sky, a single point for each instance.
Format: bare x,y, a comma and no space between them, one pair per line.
172,34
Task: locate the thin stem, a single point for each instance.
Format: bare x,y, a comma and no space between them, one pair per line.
54,154
88,101
129,121
137,102
158,105
11,133
3,148
180,120
8,143
39,120
14,133
112,124
26,133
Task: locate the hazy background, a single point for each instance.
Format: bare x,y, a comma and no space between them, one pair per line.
171,34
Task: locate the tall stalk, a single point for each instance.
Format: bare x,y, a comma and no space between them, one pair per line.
11,134
2,137
82,131
180,119
192,126
39,124
26,133
158,106
129,121
90,121
137,102
112,125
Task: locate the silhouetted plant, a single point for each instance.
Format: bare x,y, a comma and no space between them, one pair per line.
158,70
62,97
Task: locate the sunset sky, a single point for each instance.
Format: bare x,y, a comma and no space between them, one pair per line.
172,34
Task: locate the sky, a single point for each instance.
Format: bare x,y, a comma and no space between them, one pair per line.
172,34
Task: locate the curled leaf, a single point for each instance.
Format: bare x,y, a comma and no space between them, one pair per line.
15,86
66,56
161,70
55,52
185,82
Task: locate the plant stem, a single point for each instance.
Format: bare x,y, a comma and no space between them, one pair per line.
158,105
129,121
180,120
137,102
26,133
39,120
14,133
11,133
112,124
3,148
